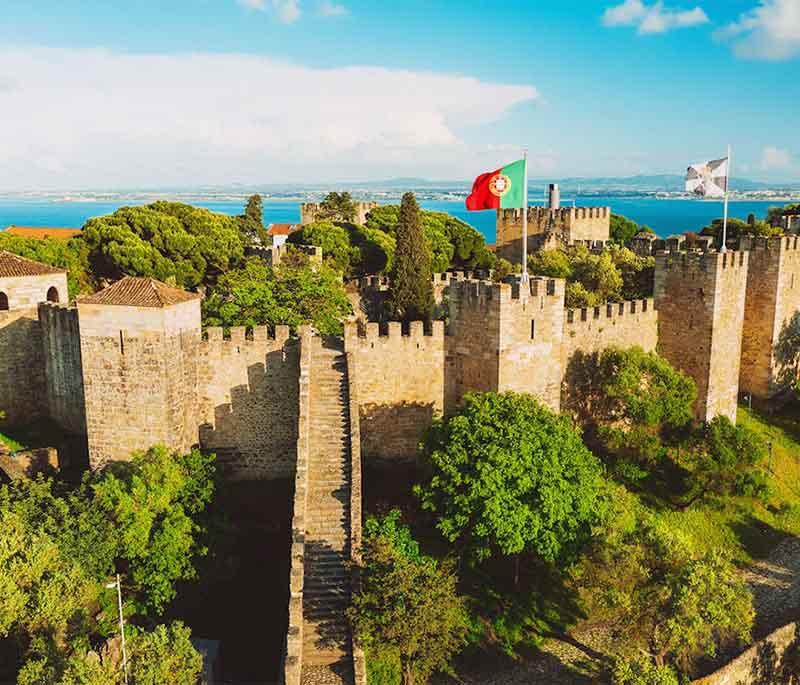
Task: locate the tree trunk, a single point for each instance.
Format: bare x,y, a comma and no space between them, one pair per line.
516,570
408,671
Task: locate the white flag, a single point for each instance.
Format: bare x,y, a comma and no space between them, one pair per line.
708,179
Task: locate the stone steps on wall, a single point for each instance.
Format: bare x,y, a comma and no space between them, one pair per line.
327,648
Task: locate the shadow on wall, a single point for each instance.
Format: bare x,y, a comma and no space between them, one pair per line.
580,391
787,353
22,392
393,431
256,433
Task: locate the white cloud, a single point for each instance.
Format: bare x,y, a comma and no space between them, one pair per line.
287,11
327,8
79,117
769,31
776,159
655,18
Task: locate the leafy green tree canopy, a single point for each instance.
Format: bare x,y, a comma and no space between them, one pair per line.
293,293
165,240
251,223
407,604
507,475
623,229
72,255
337,207
412,286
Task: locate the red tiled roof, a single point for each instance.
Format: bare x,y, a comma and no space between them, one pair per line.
133,291
43,232
14,266
281,229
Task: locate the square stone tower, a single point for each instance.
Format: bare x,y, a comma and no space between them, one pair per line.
773,301
23,285
700,299
503,337
139,345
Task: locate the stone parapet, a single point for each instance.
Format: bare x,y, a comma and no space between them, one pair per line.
293,659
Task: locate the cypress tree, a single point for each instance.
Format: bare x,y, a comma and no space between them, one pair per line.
412,289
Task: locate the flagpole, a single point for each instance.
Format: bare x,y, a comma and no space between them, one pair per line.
525,218
725,211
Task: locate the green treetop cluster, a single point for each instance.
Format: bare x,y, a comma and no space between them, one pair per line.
614,275
59,548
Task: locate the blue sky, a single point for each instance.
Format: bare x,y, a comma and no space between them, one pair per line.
109,94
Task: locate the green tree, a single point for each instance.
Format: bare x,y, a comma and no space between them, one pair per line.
165,240
738,229
644,578
293,293
337,207
337,251
725,461
507,475
59,545
407,603
775,214
412,286
787,354
72,255
251,223
551,263
639,401
623,229
453,243
641,671
152,505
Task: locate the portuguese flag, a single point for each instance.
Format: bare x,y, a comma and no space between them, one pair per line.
500,189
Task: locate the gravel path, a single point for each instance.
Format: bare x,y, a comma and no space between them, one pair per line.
775,582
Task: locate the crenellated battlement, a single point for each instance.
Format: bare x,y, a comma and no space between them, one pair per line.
392,334
239,336
563,214
636,309
775,243
478,293
701,261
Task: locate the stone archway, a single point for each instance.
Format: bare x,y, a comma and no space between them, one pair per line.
3,302
52,294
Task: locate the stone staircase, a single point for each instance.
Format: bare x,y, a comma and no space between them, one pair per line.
327,645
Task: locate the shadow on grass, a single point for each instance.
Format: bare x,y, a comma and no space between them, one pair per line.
756,537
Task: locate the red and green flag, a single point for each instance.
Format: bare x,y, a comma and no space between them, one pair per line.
500,189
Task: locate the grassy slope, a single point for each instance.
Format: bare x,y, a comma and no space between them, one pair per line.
749,529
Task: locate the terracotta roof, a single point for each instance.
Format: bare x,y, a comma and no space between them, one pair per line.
281,229
132,291
43,232
13,266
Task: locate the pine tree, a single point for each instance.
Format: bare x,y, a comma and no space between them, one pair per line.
412,288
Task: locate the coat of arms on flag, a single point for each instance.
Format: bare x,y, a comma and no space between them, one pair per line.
708,179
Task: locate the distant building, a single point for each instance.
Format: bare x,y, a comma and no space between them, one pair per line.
42,232
791,220
280,232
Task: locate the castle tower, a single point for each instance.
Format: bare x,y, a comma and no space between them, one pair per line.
700,299
502,339
23,285
564,225
139,350
773,300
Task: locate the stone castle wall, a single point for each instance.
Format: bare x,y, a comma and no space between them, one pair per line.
248,397
399,383
700,298
63,366
22,381
308,212
773,300
566,225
